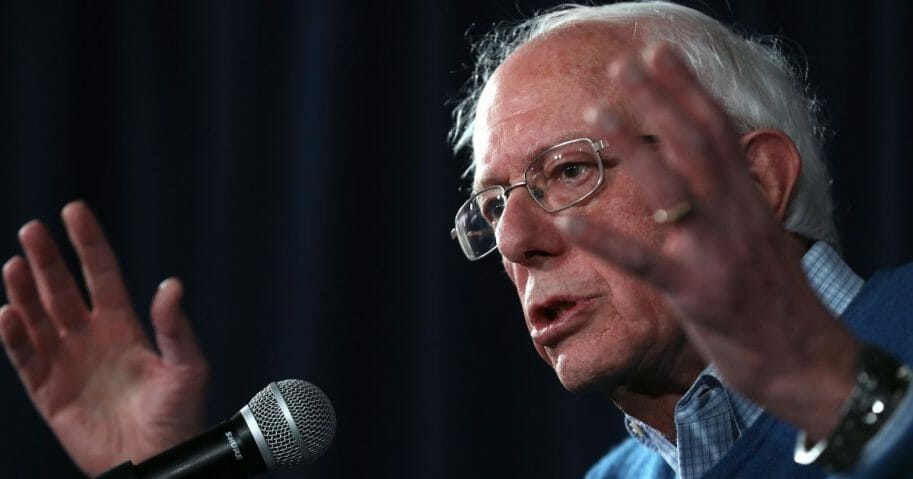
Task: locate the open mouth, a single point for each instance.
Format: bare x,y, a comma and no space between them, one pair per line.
554,310
558,319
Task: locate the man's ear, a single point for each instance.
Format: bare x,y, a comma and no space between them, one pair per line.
775,164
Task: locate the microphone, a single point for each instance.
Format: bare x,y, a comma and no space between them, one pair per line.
285,425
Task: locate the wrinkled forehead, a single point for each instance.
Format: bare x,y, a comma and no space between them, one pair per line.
550,79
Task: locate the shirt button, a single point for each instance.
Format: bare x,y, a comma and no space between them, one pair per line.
635,428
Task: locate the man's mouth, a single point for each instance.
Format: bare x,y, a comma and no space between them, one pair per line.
553,311
557,318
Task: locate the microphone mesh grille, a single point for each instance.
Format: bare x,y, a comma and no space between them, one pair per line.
312,413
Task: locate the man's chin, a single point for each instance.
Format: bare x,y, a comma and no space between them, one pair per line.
592,385
578,378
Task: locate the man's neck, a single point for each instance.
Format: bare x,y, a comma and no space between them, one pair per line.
652,399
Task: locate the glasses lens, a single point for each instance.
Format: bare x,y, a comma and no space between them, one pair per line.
476,220
564,174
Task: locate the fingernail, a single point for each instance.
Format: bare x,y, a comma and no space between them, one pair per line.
609,122
69,206
603,119
591,115
164,283
8,264
27,226
664,59
572,225
632,73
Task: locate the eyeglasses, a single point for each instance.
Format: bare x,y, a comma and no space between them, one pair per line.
557,179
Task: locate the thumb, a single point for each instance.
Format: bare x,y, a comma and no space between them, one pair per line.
173,334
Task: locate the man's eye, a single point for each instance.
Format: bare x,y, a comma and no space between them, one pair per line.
492,209
571,171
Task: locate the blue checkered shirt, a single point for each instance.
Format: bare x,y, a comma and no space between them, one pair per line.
709,418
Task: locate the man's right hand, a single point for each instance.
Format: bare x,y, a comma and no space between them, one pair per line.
90,370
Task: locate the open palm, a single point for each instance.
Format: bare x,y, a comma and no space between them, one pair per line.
92,373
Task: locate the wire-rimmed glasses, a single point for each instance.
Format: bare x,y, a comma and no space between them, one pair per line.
558,178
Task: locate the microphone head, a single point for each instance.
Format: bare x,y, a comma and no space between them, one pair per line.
296,419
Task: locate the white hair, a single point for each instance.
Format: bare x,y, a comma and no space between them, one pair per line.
752,80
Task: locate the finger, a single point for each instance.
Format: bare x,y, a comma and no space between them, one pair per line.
686,147
99,264
683,89
56,287
31,365
625,253
676,78
22,294
661,185
173,333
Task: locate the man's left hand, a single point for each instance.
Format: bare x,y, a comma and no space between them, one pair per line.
725,265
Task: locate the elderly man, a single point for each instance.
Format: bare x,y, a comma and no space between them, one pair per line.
643,227
670,253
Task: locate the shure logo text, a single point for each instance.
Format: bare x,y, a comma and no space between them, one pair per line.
234,445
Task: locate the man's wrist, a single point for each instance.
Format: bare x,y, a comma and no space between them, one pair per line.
808,381
881,383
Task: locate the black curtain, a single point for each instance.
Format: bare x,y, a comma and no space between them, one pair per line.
288,161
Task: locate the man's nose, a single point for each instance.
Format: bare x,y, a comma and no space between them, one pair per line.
525,232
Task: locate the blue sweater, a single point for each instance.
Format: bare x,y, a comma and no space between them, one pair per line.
881,314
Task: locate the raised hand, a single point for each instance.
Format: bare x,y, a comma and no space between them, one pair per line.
89,369
724,264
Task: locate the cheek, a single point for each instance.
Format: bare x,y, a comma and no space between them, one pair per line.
637,308
518,276
634,301
622,208
643,320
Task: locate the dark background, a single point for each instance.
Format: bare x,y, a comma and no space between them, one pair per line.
288,160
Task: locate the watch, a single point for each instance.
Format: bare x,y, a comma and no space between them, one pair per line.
881,383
